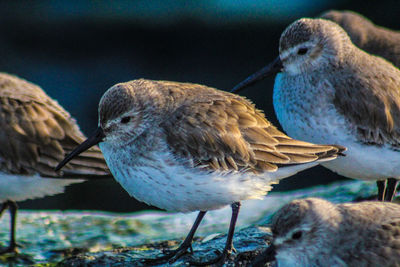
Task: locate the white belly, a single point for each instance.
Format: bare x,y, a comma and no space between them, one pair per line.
367,162
18,188
324,125
160,180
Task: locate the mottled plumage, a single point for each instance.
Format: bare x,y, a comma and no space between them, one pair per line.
36,133
315,232
186,147
363,33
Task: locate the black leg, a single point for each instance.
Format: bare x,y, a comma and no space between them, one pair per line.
381,189
267,255
173,255
13,214
220,260
12,206
390,189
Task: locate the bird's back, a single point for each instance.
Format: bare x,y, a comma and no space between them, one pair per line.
374,39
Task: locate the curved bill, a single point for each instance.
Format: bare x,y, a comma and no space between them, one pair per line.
94,139
271,69
267,255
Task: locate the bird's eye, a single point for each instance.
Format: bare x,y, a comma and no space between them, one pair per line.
302,51
125,120
297,235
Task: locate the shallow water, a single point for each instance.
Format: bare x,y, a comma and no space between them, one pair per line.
48,236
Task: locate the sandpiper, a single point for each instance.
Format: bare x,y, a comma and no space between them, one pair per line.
366,35
330,91
188,147
316,232
36,133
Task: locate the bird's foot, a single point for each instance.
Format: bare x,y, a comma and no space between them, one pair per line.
12,248
218,261
171,255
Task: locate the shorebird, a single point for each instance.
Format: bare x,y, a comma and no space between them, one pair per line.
366,35
36,133
187,147
330,91
316,232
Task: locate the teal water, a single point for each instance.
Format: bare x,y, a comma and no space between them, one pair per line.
47,235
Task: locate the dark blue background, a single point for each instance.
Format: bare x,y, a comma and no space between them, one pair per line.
75,50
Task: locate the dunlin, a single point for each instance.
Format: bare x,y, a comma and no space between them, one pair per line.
316,232
330,91
366,35
36,133
187,147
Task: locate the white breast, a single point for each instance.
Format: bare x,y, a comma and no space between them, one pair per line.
159,179
309,114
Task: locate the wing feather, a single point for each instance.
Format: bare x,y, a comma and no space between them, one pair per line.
36,134
226,132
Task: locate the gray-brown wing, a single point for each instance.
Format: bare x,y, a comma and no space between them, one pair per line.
371,38
36,134
368,96
223,131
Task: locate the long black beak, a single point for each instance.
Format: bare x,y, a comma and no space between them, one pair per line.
272,68
94,139
267,255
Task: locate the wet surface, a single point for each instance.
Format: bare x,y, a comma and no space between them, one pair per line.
99,239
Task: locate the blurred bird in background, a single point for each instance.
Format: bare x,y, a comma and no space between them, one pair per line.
374,39
36,133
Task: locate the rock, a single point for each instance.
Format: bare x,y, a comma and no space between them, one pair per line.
104,239
248,243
